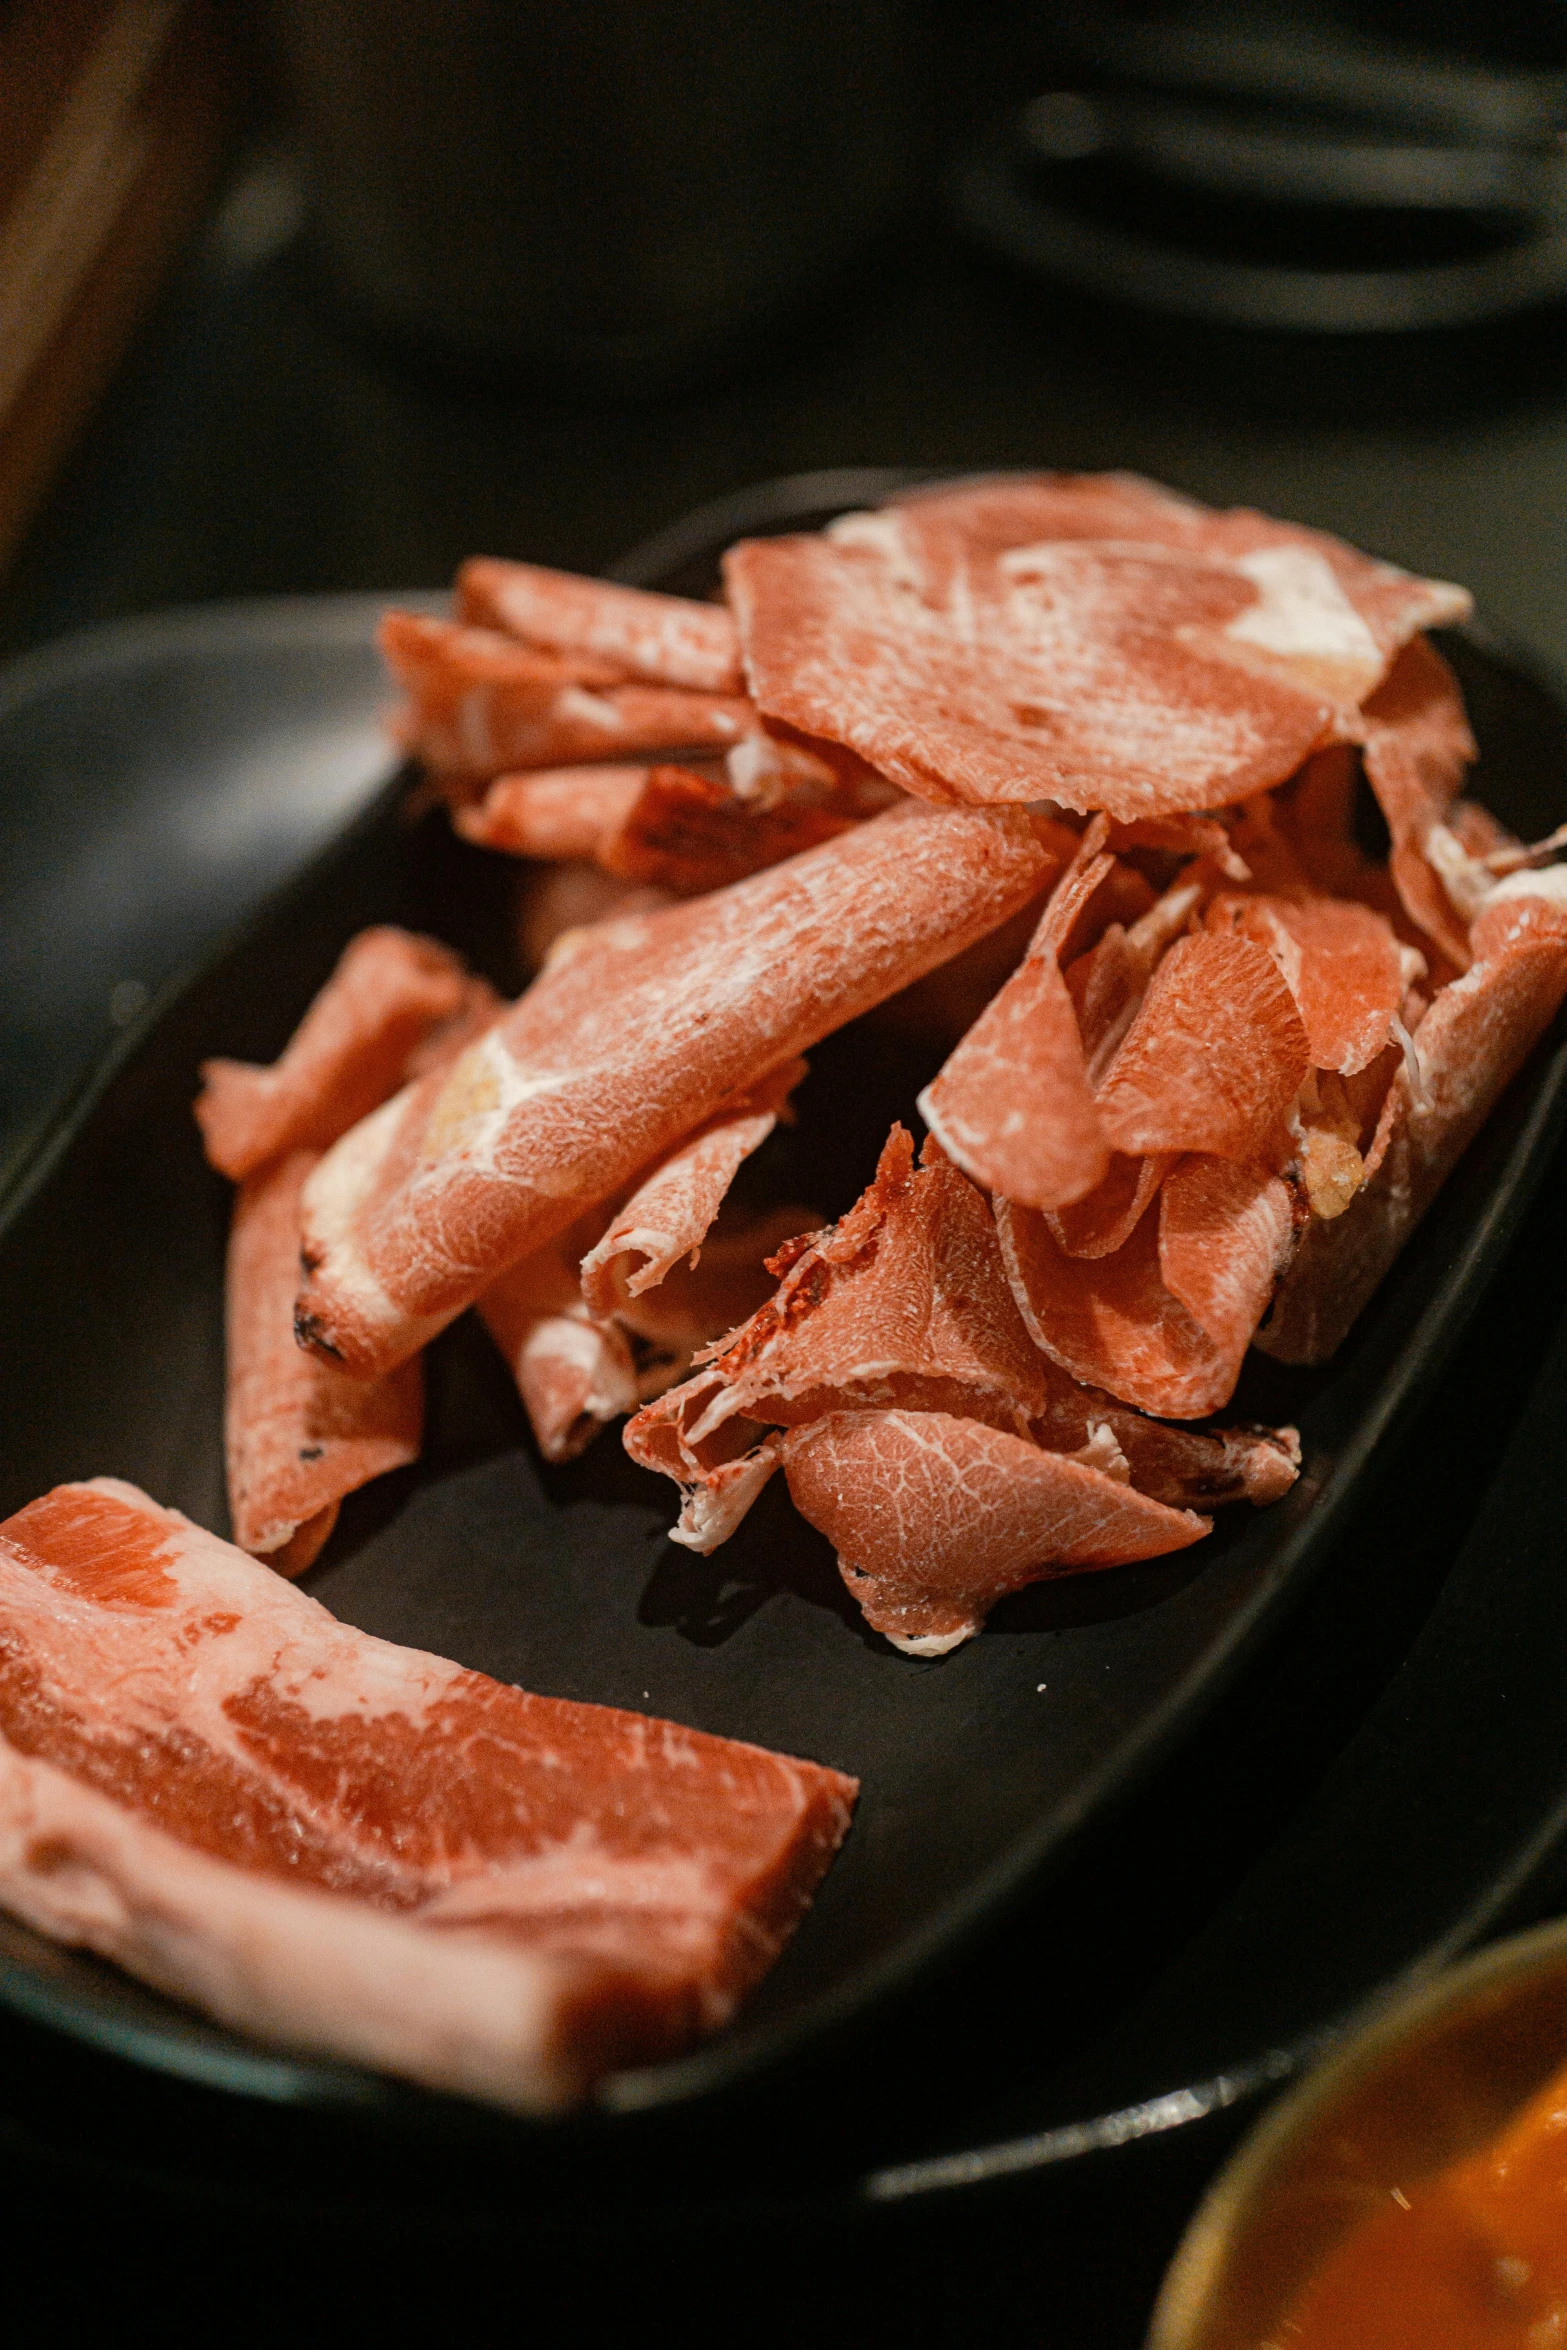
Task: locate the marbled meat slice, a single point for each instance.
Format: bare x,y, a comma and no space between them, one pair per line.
935,1518
1117,1322
1214,1057
1097,1224
669,1214
1059,672
560,814
1340,961
299,1434
1417,746
622,1047
903,1303
206,1778
666,640
1468,1047
390,993
573,1368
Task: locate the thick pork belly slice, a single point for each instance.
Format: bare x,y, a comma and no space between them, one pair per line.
935,1518
1469,1046
390,993
299,1434
666,640
210,1780
624,1046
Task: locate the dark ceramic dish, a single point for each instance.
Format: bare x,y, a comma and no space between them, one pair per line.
988,1776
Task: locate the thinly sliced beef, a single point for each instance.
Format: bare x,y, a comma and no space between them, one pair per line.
299,1434
390,993
1214,1057
669,1214
1340,961
669,827
1098,1224
338,1844
573,1369
1469,1046
666,640
622,1047
1417,747
935,1518
557,903
1163,1323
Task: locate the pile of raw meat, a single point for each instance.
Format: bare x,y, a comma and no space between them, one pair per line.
1062,773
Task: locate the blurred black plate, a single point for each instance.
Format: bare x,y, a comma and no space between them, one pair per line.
976,1776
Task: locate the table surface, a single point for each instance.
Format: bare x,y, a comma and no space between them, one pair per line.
253,445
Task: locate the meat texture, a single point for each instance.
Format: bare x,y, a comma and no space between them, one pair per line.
1467,1049
573,1370
622,1047
390,993
934,1518
1101,644
299,1433
666,640
341,1845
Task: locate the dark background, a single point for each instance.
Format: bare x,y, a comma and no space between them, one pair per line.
258,442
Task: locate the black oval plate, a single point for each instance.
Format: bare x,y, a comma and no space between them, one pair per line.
980,1770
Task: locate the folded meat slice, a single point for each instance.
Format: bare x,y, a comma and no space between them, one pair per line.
573,1369
339,1844
666,640
670,827
1012,1105
1164,1321
299,1434
1340,961
935,1518
1417,746
1468,1047
390,993
669,1214
622,1047
1213,1058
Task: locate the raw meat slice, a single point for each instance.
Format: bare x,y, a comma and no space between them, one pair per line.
299,1434
1054,672
666,826
1214,1057
695,1304
1012,1105
491,734
557,903
669,1214
390,992
1417,745
334,1842
936,1518
1097,1225
1340,961
632,1041
1118,1323
1468,1047
573,1370
667,640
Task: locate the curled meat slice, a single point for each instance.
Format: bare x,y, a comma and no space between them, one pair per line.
1341,963
1467,1048
573,1370
299,1434
669,1214
1213,1058
935,1518
1099,1223
347,1846
626,1045
390,993
1164,1322
666,640
669,827
1417,745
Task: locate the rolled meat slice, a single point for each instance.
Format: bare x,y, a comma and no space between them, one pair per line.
622,1047
666,640
341,1845
1467,1049
935,1518
299,1434
573,1370
1214,1057
390,993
